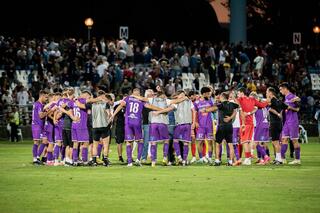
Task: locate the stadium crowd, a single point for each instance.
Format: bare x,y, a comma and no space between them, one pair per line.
117,66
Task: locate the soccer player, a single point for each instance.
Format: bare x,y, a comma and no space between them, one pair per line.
38,116
275,112
261,132
80,133
133,123
101,127
226,114
67,117
247,105
119,130
291,125
235,130
204,123
58,125
145,115
193,97
185,119
49,127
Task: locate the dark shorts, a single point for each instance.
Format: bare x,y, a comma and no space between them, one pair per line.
224,132
102,132
275,131
66,136
119,135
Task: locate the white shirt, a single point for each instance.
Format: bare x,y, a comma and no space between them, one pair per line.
259,62
101,68
22,97
184,61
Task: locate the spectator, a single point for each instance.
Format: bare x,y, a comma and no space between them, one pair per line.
14,123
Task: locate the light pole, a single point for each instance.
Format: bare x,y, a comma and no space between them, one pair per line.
316,30
88,22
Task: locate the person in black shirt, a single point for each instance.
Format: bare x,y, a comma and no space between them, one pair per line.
226,114
119,130
275,112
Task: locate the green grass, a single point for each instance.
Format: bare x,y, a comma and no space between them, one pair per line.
196,189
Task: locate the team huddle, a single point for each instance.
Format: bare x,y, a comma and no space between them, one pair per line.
63,126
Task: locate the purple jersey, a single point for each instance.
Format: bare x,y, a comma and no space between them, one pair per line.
204,118
80,113
291,116
49,122
59,104
37,108
261,117
133,110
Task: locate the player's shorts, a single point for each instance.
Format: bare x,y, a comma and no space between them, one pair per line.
158,132
246,135
290,130
133,132
119,135
275,131
48,134
66,136
102,132
261,135
37,132
58,133
80,135
235,135
182,132
205,132
224,132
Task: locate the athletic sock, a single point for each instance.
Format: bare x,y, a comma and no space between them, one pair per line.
297,153
284,148
185,152
177,148
165,150
193,149
140,150
35,151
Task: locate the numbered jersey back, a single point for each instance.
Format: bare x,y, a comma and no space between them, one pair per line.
133,110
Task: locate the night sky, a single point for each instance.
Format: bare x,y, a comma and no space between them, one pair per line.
148,19
179,19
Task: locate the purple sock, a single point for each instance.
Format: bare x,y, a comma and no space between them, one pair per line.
185,152
165,150
284,148
99,149
261,150
177,148
42,146
228,151
236,151
56,152
153,153
35,150
220,152
200,153
210,154
129,153
84,154
63,152
75,155
297,153
49,156
258,147
140,150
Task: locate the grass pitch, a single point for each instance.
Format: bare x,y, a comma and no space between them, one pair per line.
195,188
